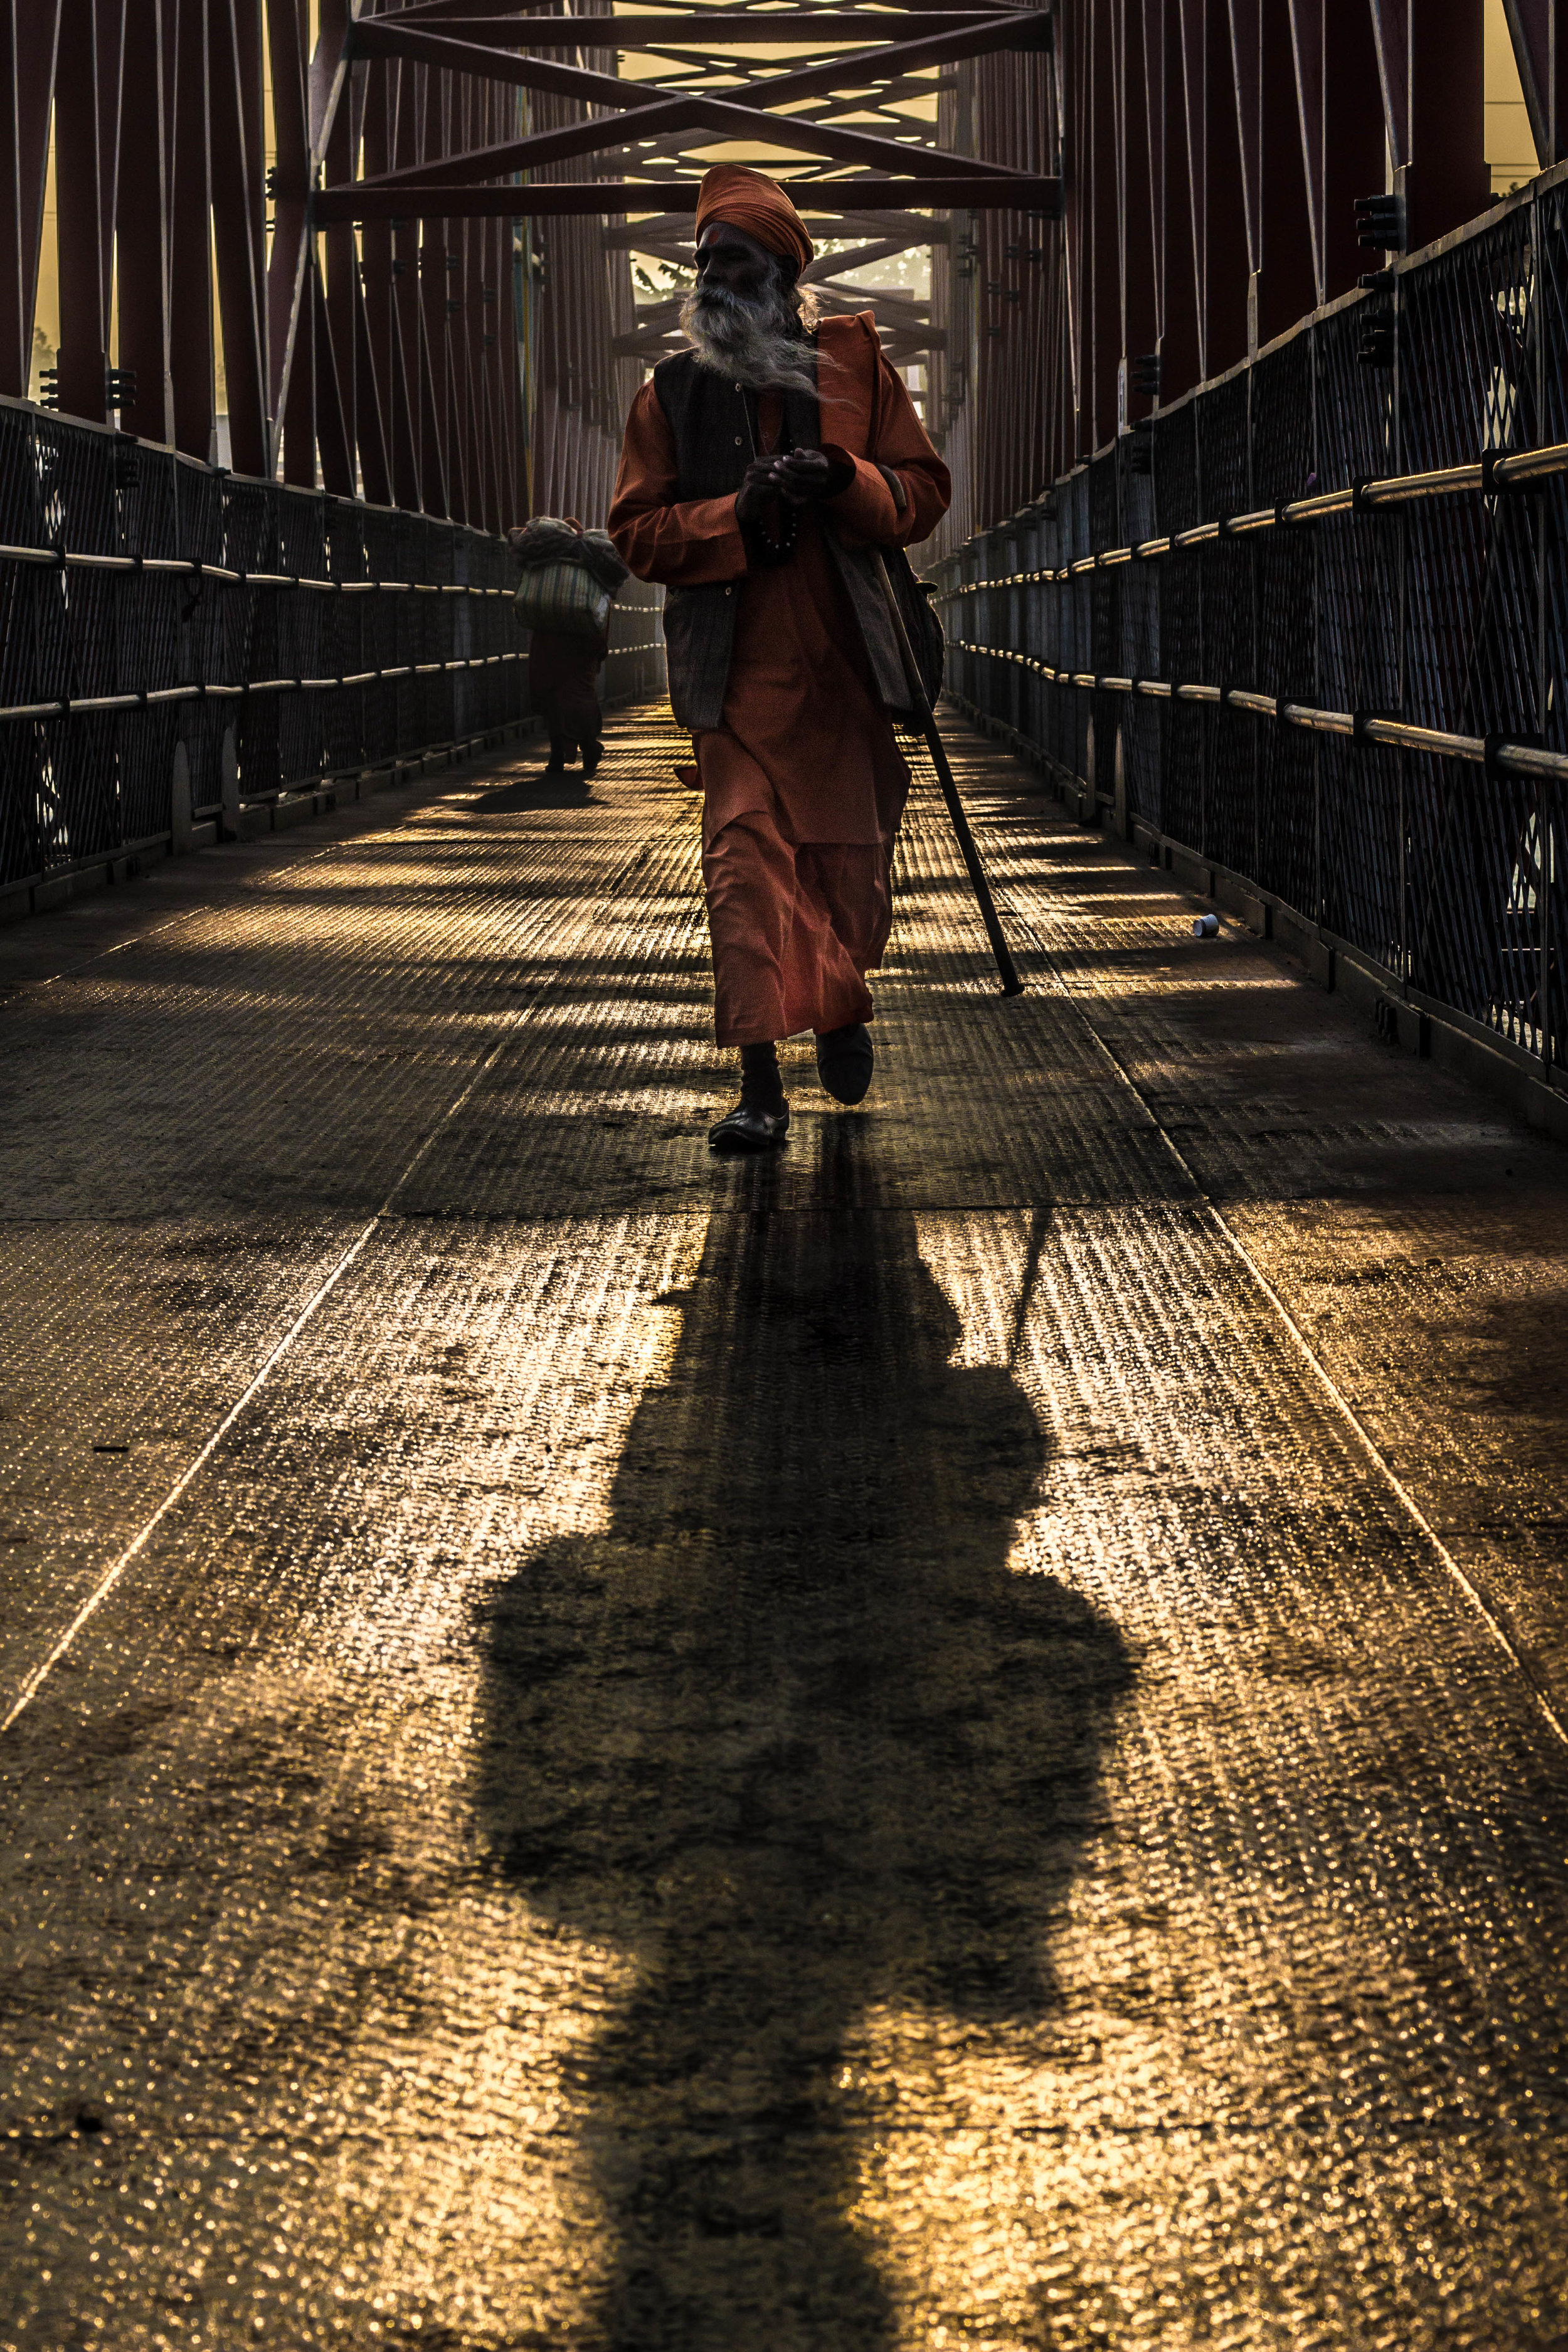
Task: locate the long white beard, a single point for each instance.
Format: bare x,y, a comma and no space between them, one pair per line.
755,342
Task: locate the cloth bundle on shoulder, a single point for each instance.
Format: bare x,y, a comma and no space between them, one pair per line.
569,578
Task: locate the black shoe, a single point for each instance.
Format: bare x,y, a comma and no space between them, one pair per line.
845,1061
747,1128
591,755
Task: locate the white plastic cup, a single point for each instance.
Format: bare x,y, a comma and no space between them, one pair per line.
1205,927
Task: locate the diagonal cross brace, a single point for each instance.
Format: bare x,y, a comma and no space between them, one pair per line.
648,110
702,27
704,31
357,200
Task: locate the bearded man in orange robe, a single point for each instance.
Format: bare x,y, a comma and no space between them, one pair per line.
762,471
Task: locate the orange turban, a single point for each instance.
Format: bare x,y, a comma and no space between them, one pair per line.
750,199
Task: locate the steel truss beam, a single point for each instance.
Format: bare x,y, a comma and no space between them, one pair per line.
380,309
703,27
649,110
1541,47
672,231
564,197
1217,149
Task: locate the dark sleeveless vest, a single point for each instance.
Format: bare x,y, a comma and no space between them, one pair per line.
708,419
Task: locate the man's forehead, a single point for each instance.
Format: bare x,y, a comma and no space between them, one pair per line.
725,233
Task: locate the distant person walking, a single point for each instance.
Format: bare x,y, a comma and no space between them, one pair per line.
570,578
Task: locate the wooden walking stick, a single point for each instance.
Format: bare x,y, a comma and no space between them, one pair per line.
1011,983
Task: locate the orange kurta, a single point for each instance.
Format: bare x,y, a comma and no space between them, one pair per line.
802,783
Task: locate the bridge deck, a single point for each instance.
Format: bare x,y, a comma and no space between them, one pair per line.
947,1741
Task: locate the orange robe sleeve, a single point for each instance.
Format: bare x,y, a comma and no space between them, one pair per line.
685,542
870,406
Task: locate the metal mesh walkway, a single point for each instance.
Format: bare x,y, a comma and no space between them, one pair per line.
949,1740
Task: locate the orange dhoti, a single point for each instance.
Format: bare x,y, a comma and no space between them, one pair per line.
803,790
796,927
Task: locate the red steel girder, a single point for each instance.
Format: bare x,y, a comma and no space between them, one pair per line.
239,236
702,28
1343,131
87,107
1274,194
290,240
1431,65
898,231
142,245
28,33
189,247
1541,49
649,110
1021,192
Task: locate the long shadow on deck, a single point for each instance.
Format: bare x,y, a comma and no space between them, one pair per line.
795,1737
536,791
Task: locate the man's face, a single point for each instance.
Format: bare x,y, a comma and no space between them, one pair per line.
740,318
733,263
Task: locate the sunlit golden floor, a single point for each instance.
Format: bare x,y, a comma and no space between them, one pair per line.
936,1743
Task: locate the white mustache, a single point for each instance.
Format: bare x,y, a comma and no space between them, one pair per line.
757,341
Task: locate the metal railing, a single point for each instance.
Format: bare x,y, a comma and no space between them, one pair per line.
158,614
1356,539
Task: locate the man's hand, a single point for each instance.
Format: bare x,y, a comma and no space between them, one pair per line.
802,476
759,487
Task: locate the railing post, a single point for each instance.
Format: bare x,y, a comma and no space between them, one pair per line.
1319,896
1545,793
1157,440
1255,560
1402,649
1200,602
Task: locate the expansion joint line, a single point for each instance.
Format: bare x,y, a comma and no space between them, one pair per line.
133,1551
1485,1608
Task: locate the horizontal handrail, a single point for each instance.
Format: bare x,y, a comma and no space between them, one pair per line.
1494,752
68,706
181,567
1491,474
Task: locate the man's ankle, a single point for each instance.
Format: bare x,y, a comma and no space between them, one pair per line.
761,1084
